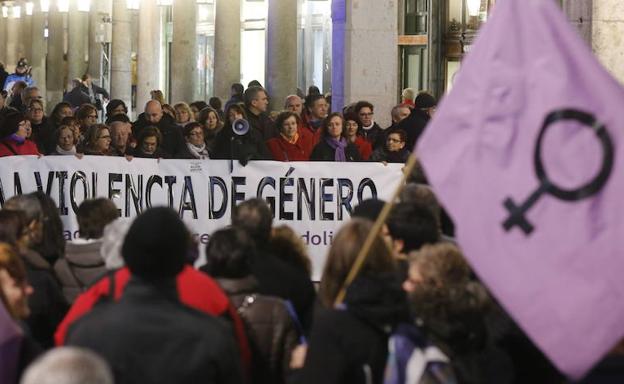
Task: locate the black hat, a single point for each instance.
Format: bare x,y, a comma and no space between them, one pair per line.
425,100
9,123
22,63
156,244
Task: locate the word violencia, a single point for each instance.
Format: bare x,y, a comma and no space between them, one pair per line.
290,198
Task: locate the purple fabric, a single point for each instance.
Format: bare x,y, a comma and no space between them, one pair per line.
10,343
18,139
562,282
338,146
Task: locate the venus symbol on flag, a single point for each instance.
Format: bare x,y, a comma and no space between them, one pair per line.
517,213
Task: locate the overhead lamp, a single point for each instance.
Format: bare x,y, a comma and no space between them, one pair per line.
16,12
84,5
5,11
62,5
474,6
133,4
29,7
45,5
165,2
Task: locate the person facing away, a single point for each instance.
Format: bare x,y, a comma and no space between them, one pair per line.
149,336
271,330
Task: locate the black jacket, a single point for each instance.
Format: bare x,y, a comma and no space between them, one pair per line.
351,345
261,123
323,152
381,154
172,138
76,97
250,146
414,125
148,336
43,136
376,136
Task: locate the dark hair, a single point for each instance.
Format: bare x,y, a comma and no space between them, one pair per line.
254,83
283,116
113,104
238,108
120,117
255,217
313,90
93,215
325,125
342,254
398,131
215,103
251,93
312,98
422,194
190,126
203,116
414,224
84,111
12,226
70,120
362,104
353,117
199,104
149,131
237,88
368,209
229,253
52,245
287,245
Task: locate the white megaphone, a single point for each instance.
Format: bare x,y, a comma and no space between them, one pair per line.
240,127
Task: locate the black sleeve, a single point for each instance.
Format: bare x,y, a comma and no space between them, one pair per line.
317,153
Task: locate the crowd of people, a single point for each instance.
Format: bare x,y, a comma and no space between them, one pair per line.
302,129
125,303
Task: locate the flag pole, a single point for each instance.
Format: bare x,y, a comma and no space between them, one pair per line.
381,219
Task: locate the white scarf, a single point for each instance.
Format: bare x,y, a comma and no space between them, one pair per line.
199,152
369,127
61,151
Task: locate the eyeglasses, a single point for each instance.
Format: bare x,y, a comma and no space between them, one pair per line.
104,137
392,140
366,114
196,134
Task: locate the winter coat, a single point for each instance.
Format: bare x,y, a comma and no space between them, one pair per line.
9,147
76,97
262,124
250,146
376,136
81,266
414,125
350,345
47,303
172,138
323,152
364,147
282,150
43,135
382,154
270,329
195,289
149,336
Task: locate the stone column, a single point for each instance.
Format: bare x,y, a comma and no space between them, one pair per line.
227,67
78,33
25,47
38,49
13,40
3,45
120,55
281,54
606,37
55,68
579,13
95,47
365,59
184,51
148,57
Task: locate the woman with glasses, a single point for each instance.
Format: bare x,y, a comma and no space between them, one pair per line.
394,151
148,144
42,128
87,116
333,145
14,128
97,141
196,147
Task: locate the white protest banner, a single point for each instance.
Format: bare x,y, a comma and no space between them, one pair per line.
314,198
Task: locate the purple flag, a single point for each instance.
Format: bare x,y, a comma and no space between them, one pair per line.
10,344
524,153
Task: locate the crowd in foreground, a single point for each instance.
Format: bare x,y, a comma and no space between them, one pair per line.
244,130
125,304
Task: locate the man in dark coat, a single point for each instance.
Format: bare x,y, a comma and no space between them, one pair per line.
172,139
149,336
76,97
256,106
370,130
414,125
